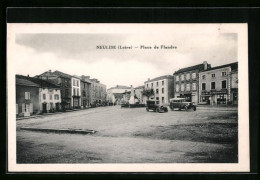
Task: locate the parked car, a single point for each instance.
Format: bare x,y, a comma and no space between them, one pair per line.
152,105
181,103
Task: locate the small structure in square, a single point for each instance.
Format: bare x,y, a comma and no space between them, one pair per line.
219,85
35,96
115,94
186,82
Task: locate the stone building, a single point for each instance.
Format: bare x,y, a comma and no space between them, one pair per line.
186,82
163,87
115,94
35,95
85,85
62,80
139,94
97,90
219,85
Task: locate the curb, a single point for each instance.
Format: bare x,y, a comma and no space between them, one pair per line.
70,131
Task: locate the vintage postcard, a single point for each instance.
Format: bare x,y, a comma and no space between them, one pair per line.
127,97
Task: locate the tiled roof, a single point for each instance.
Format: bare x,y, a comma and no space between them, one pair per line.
160,78
120,87
198,66
34,81
58,73
139,87
24,82
233,66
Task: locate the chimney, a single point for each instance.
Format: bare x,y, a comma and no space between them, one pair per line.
49,71
205,65
28,75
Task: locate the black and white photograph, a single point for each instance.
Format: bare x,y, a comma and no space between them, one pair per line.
128,97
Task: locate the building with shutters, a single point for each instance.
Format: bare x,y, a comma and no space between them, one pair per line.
35,95
163,88
219,85
186,82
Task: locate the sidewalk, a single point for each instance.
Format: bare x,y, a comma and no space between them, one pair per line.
49,114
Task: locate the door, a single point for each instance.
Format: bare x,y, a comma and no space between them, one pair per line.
44,108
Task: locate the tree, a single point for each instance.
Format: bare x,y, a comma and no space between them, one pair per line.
148,93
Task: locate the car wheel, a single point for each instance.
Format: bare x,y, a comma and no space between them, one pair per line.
158,110
194,108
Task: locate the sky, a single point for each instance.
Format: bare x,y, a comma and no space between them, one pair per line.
76,54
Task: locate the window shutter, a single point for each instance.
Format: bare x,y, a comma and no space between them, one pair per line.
31,107
23,108
25,95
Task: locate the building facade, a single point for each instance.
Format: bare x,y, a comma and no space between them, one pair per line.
35,95
219,85
186,82
163,88
115,94
85,86
27,97
76,92
64,82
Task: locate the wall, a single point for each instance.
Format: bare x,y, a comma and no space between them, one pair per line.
49,100
34,97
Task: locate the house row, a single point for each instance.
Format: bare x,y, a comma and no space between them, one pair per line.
200,84
56,91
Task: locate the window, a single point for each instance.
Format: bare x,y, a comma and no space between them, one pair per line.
182,77
193,75
56,97
203,76
213,85
177,88
152,84
188,76
50,96
147,85
193,86
212,75
162,99
157,91
157,83
162,90
77,92
182,87
74,91
43,96
162,83
224,73
203,86
27,95
187,87
224,84
177,78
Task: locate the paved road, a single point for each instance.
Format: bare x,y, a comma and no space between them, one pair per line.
132,135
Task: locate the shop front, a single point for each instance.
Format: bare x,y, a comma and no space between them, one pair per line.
205,97
187,96
76,101
219,97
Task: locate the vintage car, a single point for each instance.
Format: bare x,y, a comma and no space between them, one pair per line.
181,103
153,105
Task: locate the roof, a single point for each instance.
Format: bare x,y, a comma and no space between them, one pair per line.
233,66
24,82
120,87
160,78
30,81
140,87
58,73
200,67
